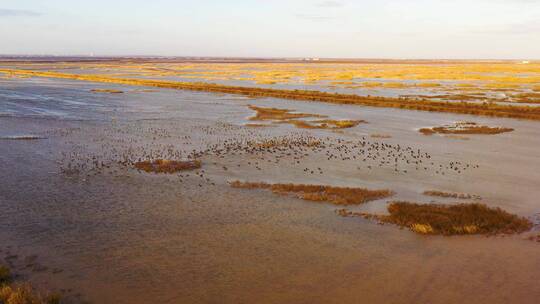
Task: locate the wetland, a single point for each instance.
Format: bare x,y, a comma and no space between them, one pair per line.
196,182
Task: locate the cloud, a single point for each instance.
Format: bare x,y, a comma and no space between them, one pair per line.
17,13
330,4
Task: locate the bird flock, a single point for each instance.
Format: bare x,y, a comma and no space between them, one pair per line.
115,148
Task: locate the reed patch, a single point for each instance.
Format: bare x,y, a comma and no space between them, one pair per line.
294,118
167,166
22,293
320,193
459,219
465,127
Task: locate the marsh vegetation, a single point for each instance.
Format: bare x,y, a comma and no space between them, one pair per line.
289,117
420,104
229,187
320,193
455,219
465,127
167,166
12,292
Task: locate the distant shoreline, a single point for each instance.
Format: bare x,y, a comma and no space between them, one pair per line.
182,59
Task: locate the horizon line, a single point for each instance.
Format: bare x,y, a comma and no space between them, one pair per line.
291,58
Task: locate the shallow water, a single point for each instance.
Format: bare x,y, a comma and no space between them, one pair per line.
115,235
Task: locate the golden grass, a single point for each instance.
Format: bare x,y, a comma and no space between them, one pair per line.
382,136
167,166
338,124
526,98
325,124
25,294
22,293
275,114
486,109
290,117
422,228
454,219
465,128
528,95
320,193
451,195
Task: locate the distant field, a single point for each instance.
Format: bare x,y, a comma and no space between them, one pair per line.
501,89
453,81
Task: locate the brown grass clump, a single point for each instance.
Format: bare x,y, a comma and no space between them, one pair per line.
325,124
451,195
465,127
383,136
290,117
319,193
167,166
22,293
427,131
454,219
25,294
111,91
277,114
533,97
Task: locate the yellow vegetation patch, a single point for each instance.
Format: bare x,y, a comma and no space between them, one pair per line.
454,219
319,193
395,85
528,97
167,166
278,114
422,228
290,117
22,293
325,124
465,127
382,136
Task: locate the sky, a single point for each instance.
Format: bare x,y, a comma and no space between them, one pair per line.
453,29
